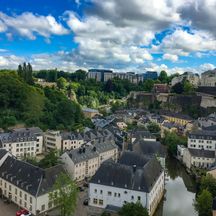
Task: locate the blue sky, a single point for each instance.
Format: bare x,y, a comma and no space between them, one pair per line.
124,35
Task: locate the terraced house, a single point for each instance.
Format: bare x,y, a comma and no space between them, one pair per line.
201,149
23,142
26,185
83,162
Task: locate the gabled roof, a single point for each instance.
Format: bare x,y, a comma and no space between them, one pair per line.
201,153
34,180
124,176
21,135
3,152
203,134
150,148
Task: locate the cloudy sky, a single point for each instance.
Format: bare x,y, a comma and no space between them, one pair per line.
124,35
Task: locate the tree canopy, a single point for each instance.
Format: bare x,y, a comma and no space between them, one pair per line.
133,209
64,194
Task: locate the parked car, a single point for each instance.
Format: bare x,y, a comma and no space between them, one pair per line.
29,214
22,212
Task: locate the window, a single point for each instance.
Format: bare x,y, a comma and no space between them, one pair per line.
9,187
25,196
132,197
119,195
42,207
20,193
16,191
125,192
95,201
109,193
95,190
138,198
30,199
100,202
101,192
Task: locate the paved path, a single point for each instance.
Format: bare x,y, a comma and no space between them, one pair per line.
8,209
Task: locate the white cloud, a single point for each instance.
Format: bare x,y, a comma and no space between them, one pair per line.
29,25
183,43
170,57
207,66
10,61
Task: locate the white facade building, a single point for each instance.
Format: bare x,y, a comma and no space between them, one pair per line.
23,142
191,77
28,186
208,78
116,184
201,149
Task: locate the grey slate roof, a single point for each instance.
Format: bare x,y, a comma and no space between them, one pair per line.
203,134
132,158
141,134
87,152
150,148
20,135
3,152
86,136
124,176
32,179
201,153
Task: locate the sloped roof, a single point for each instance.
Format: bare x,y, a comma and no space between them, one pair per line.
34,180
124,176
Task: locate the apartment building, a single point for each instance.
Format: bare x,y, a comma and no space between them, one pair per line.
208,78
201,149
189,76
134,179
23,142
72,140
82,163
52,140
28,186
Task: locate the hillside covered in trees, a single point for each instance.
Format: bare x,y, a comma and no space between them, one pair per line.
21,101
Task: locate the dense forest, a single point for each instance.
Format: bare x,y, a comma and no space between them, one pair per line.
21,102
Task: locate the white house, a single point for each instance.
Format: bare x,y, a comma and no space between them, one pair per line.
23,142
201,149
133,179
28,186
83,162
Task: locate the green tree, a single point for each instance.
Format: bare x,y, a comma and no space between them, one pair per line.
208,182
25,72
172,140
64,195
148,85
61,83
133,209
188,87
153,127
163,77
203,203
51,159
